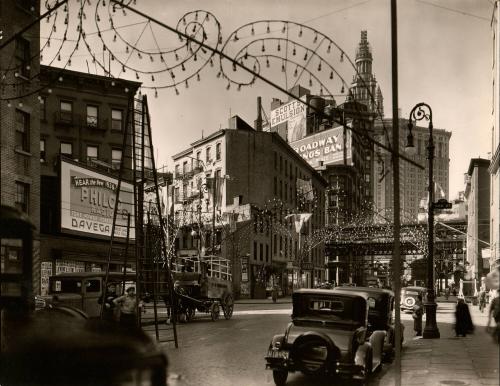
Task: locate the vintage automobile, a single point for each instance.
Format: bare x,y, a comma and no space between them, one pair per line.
380,310
327,336
409,297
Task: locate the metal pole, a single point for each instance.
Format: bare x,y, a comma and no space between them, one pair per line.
431,330
214,191
395,167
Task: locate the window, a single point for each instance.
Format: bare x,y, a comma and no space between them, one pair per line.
116,158
23,56
267,253
184,167
116,119
177,195
66,149
92,116
22,130
208,155
66,113
177,170
43,108
42,151
22,196
198,159
218,151
255,250
92,152
261,247
93,286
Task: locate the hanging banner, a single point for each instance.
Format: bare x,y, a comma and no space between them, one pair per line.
88,200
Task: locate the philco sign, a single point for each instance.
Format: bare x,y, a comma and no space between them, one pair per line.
88,200
327,146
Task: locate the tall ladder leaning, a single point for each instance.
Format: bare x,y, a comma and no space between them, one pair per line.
153,274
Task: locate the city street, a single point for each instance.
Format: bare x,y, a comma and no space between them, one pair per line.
231,352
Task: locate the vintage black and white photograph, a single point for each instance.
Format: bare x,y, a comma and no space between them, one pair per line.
249,193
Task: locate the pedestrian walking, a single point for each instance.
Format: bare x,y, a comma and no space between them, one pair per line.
494,314
418,312
463,320
128,304
482,300
108,313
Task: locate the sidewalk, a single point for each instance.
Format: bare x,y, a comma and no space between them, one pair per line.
283,300
470,361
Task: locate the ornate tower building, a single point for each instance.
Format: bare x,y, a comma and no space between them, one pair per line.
364,87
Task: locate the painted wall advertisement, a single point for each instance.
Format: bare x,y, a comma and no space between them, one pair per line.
294,113
327,146
87,203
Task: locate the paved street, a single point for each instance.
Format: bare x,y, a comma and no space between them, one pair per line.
232,352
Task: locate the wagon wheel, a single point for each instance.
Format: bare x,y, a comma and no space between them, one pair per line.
190,312
227,307
214,311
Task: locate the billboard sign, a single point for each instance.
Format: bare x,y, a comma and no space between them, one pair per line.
327,146
294,114
88,200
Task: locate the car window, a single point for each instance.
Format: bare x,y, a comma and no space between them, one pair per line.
332,306
412,293
371,302
66,286
93,285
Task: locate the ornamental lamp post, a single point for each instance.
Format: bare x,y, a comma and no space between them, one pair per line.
419,112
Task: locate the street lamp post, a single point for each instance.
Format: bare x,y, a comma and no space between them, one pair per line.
419,112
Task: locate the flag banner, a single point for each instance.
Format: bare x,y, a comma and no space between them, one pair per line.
299,219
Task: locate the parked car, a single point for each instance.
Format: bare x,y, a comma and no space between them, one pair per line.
380,314
327,336
409,297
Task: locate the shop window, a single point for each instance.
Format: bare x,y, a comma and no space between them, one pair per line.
22,131
261,252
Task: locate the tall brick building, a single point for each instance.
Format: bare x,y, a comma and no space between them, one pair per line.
254,170
82,121
19,118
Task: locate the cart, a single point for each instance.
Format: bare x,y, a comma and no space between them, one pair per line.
204,285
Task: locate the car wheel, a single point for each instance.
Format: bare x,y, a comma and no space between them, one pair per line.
280,377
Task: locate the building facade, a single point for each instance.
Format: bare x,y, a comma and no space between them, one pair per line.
82,122
235,188
495,142
477,192
19,120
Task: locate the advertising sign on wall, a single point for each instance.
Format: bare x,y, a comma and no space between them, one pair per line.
294,113
88,200
327,146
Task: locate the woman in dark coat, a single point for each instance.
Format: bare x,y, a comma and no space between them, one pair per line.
418,312
463,324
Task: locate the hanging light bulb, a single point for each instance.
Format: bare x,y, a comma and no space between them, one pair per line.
123,68
184,20
126,49
60,79
279,47
54,28
48,43
112,57
283,30
268,29
321,91
294,52
136,76
331,75
342,56
20,104
234,67
342,90
103,3
9,105
151,58
329,48
263,49
114,38
59,57
198,77
319,66
195,57
235,37
283,66
186,83
300,32
239,87
305,56
211,62
252,31
295,73
176,56
69,62
182,67
310,82
161,59
228,85
176,91
196,16
156,93
98,18
172,74
218,74
113,83
126,89
139,55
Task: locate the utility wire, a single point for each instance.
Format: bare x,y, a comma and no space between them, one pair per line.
454,10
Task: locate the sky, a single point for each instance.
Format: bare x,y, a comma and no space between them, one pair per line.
444,59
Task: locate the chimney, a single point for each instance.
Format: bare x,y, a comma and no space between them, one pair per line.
258,121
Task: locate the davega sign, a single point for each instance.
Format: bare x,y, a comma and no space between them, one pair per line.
327,146
87,203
